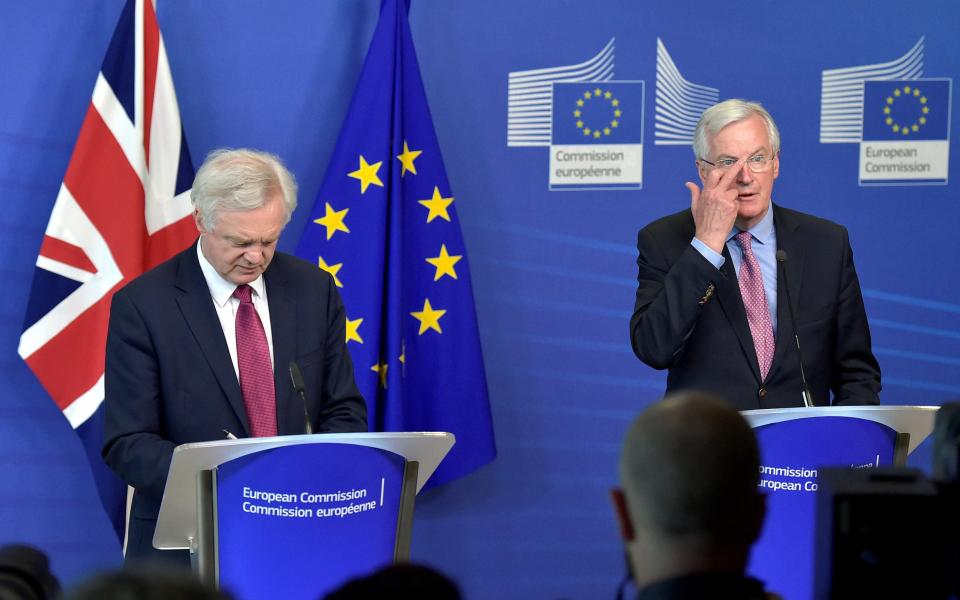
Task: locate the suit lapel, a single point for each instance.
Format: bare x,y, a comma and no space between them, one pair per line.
789,240
728,293
201,317
283,324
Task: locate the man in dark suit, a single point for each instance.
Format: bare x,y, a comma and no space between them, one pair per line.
712,303
201,344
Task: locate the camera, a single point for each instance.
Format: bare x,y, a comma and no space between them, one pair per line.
892,532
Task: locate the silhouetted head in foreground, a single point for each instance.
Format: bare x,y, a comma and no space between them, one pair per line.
689,501
399,581
146,584
25,574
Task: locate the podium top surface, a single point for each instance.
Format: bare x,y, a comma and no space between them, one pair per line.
915,420
177,521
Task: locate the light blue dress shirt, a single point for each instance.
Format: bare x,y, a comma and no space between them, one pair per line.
764,244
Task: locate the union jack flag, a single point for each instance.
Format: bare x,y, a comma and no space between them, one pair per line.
123,207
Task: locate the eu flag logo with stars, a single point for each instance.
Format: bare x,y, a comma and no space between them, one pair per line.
602,112
906,109
385,227
906,132
597,135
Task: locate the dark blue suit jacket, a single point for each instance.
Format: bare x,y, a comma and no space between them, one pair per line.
169,378
689,317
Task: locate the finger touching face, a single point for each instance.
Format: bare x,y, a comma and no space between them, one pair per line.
731,177
741,140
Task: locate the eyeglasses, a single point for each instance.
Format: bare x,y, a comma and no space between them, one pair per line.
757,163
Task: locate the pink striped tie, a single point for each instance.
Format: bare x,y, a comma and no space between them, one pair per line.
755,301
256,372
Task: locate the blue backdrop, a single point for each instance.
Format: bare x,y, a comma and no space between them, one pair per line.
553,271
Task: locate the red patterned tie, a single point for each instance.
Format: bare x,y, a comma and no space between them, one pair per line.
755,301
256,372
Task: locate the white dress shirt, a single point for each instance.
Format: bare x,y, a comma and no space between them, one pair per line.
226,306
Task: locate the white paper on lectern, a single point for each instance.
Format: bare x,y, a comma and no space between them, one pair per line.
177,521
915,420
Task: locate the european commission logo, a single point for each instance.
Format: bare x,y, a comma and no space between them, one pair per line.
906,132
597,136
900,119
592,124
679,102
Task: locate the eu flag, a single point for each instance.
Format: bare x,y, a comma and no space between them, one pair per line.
598,113
906,109
385,226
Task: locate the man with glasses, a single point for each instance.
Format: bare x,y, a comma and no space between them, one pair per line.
716,282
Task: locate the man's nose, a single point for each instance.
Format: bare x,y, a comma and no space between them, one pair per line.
745,176
254,254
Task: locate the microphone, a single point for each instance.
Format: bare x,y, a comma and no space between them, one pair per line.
805,388
297,377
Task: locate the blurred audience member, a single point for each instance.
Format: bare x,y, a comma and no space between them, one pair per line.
400,581
25,574
689,507
146,584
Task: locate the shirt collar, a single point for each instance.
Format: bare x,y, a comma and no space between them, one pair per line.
220,289
763,231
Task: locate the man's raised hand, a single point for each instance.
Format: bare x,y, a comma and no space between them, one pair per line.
715,208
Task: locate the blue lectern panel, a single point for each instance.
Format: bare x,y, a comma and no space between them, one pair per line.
791,452
297,521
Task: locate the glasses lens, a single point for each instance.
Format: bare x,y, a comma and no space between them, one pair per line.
758,164
724,163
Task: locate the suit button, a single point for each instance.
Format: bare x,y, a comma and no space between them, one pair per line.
762,392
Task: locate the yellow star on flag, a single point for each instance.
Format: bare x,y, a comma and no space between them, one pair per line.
381,370
437,205
353,330
429,317
444,263
333,220
367,174
332,269
407,158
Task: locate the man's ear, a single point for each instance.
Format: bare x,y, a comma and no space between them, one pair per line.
197,221
701,171
619,502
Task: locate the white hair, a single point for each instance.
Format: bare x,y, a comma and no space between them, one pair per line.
238,180
730,111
